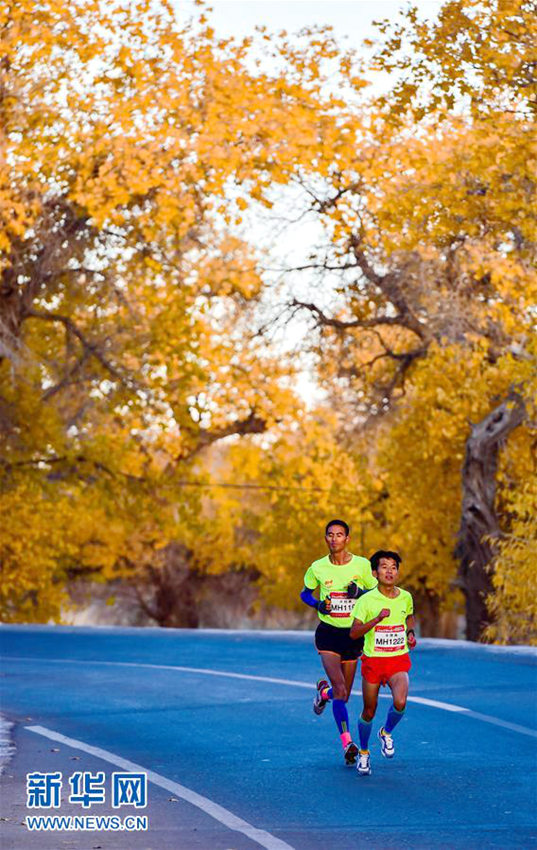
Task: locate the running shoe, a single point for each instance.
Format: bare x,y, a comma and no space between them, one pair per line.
350,752
319,704
386,743
364,763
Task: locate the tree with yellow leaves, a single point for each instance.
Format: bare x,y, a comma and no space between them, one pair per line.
132,143
126,339
272,519
431,212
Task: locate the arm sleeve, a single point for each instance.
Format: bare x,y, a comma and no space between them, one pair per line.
308,598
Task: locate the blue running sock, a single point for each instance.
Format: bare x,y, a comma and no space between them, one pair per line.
364,731
341,715
393,718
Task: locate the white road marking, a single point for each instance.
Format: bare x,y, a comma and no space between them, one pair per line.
505,724
219,813
446,706
207,671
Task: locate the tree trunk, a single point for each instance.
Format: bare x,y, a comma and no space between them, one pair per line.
10,315
178,595
167,592
479,522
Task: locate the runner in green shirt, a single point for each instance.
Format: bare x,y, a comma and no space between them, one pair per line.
340,578
386,617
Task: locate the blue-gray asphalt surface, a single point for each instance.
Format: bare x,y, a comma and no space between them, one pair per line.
256,748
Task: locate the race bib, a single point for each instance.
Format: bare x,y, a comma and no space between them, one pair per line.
389,638
341,606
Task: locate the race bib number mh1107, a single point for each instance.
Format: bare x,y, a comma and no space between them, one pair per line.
341,606
389,638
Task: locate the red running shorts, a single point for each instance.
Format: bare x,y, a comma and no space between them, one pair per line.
377,670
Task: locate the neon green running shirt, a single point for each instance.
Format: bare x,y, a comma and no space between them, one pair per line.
332,580
388,638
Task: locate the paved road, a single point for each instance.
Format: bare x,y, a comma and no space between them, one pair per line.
463,776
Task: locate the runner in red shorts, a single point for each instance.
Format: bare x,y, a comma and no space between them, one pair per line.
386,617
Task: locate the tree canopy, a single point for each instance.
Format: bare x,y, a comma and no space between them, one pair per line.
432,217
134,370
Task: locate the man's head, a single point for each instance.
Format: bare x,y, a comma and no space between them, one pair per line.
337,534
385,565
339,522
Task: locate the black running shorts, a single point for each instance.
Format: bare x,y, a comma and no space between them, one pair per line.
337,640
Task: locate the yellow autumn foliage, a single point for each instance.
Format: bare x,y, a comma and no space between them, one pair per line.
133,142
431,220
127,339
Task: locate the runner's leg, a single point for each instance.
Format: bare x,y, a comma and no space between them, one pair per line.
335,672
398,683
349,672
399,687
370,694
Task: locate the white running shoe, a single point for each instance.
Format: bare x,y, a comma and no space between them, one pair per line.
386,743
364,763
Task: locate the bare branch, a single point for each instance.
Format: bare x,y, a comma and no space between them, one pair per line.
340,324
68,377
389,285
91,347
253,424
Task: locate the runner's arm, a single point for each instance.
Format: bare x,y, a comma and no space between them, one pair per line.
359,629
308,597
355,592
410,634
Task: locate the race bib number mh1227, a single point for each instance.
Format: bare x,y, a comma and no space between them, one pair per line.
389,638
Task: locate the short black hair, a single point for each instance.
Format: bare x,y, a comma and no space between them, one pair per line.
384,553
337,522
